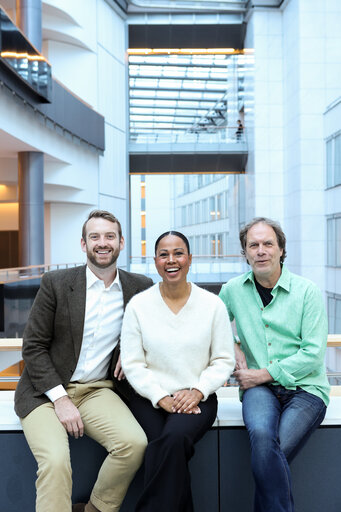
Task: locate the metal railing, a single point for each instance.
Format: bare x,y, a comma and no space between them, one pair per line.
11,275
207,135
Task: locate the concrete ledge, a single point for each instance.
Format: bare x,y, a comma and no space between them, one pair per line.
229,409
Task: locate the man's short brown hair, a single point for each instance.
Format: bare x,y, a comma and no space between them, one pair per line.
101,214
281,240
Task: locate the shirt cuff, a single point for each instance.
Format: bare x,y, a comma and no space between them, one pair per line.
56,392
279,375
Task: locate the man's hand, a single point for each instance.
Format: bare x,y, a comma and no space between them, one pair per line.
186,401
240,358
250,378
69,416
118,373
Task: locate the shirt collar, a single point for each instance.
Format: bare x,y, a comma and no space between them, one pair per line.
283,281
91,279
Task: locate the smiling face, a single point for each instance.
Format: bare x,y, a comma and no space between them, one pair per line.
172,260
263,253
102,245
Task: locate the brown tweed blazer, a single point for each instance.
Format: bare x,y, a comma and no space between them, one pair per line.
54,331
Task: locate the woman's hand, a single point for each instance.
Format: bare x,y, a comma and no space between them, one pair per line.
186,401
166,403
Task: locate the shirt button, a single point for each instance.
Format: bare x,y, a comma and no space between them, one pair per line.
270,362
269,344
261,309
266,325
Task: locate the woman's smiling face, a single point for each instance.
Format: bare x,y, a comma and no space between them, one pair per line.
172,260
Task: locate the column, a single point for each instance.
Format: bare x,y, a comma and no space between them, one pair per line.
31,208
28,13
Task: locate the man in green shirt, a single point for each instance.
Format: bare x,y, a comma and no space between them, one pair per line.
282,328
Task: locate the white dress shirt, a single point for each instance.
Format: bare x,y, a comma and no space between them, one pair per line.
102,327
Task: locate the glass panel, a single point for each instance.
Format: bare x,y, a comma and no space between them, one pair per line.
337,173
197,245
329,163
337,328
213,248
197,213
205,211
331,315
190,214
220,245
219,206
338,241
212,208
183,216
330,242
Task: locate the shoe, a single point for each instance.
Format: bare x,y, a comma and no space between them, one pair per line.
89,507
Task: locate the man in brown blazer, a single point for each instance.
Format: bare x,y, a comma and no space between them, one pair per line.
67,384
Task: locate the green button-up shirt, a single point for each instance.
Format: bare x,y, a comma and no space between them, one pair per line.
288,337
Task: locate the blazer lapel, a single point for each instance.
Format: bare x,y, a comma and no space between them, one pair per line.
76,296
129,287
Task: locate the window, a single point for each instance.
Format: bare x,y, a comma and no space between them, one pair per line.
226,209
337,160
219,206
333,161
334,241
186,184
329,162
212,245
197,219
212,208
220,245
204,210
334,313
197,245
190,214
183,216
205,245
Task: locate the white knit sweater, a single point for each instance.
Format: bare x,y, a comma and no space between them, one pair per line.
163,352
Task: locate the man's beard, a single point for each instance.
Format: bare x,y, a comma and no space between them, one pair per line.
92,258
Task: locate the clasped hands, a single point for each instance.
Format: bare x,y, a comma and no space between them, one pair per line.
184,401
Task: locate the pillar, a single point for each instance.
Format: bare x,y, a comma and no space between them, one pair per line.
28,17
31,208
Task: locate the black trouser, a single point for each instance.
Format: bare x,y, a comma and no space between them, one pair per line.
167,486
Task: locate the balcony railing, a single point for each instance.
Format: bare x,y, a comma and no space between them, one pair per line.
209,135
12,275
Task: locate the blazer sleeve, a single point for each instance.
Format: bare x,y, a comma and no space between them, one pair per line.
37,339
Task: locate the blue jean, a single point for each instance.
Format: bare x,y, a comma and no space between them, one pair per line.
279,421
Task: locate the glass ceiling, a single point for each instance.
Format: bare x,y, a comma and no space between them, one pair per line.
184,93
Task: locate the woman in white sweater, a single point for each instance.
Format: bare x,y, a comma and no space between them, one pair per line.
176,351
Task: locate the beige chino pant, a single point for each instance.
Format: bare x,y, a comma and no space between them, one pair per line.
108,421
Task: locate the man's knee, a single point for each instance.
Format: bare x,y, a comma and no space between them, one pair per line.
130,446
263,440
55,462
